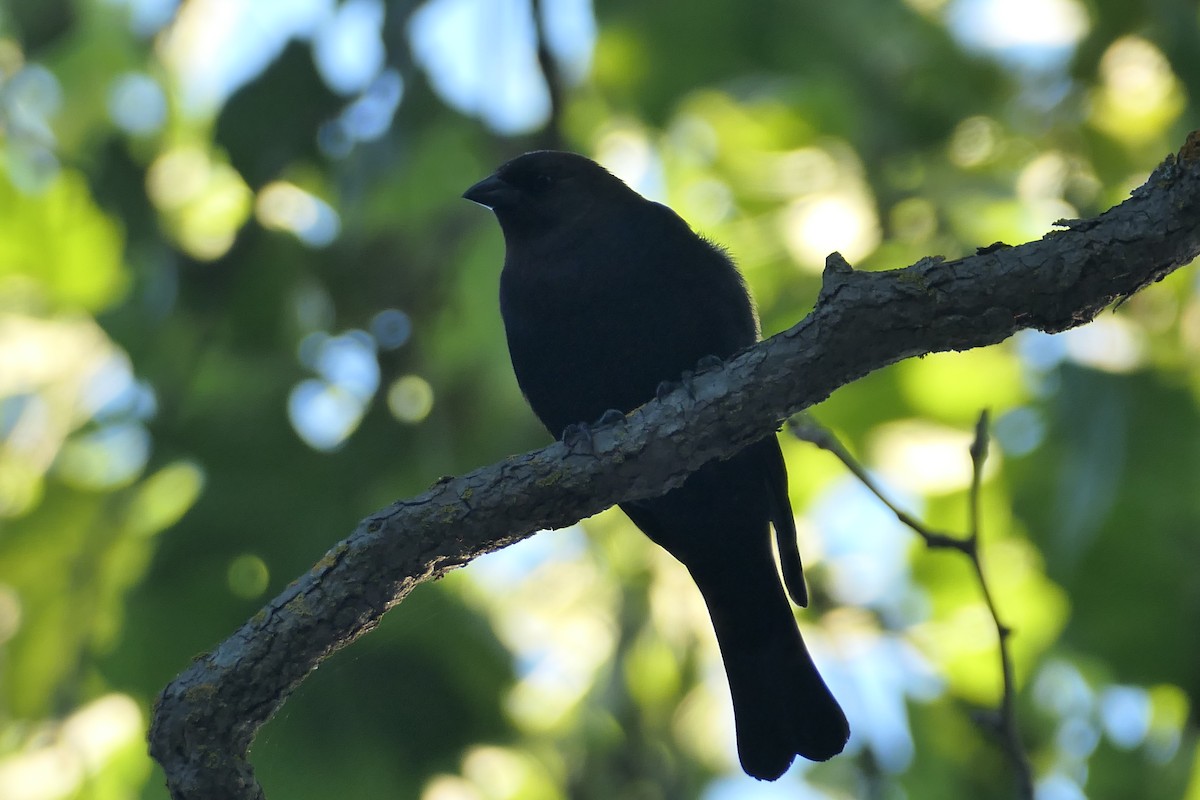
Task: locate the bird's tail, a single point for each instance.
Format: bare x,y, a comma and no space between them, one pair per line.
782,707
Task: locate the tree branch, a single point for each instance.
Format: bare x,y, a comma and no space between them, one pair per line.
551,135
205,719
1003,722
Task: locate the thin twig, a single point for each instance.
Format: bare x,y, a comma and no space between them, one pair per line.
1004,722
552,75
807,429
1006,725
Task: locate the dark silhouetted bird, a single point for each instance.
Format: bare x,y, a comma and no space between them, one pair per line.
605,295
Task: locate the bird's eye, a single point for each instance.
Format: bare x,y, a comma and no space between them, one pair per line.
529,180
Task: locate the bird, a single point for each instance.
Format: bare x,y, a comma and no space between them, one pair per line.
605,297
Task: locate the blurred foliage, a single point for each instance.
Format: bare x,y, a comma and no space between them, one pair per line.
242,305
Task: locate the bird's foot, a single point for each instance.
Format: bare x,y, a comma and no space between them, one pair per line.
611,417
665,388
578,436
685,382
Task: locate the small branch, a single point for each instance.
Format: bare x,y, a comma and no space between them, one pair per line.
1005,723
807,429
552,74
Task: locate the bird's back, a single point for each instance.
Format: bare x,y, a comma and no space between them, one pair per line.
596,319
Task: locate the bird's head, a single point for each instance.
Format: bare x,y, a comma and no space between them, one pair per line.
540,191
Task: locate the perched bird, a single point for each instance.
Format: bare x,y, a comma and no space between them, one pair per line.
605,295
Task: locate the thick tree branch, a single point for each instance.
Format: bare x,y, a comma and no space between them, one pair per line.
205,720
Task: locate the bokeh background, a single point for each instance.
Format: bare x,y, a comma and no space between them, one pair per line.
242,305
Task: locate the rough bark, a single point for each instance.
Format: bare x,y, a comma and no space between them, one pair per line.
206,718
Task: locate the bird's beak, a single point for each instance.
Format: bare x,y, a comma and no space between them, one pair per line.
490,192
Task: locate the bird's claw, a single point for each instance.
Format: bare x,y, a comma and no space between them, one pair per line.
578,436
613,416
684,382
665,388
